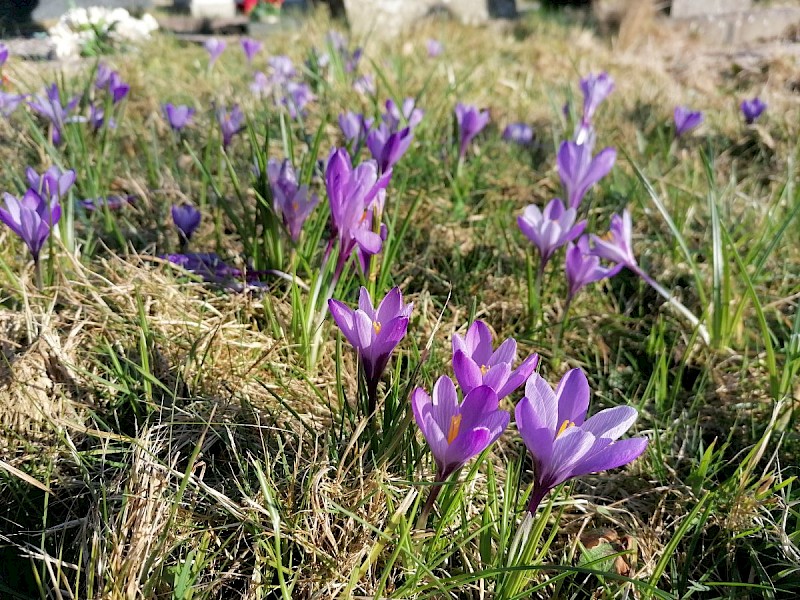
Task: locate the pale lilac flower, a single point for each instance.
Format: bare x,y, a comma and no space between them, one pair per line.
9,103
178,117
354,126
31,217
519,133
457,431
406,115
476,363
686,120
579,171
583,267
374,332
230,123
103,76
595,88
752,109
50,107
434,48
291,201
283,70
470,123
386,147
215,47
298,96
562,442
550,229
616,245
186,219
261,85
53,183
250,47
365,85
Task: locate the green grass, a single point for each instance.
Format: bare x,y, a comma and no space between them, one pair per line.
161,438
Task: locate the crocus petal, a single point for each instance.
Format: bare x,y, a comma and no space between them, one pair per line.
572,396
465,446
544,405
467,372
611,422
505,353
390,305
519,375
343,316
497,375
612,456
365,303
445,402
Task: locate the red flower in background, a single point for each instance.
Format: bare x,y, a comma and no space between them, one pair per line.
247,6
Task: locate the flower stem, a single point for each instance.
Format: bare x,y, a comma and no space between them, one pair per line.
561,329
37,273
535,296
422,521
674,302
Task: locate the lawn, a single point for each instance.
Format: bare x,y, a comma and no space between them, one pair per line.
191,406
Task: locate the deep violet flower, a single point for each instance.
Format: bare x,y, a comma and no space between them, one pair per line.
406,115
752,109
470,123
562,444
476,363
457,431
50,107
97,118
112,202
207,265
583,267
519,133
186,218
250,47
230,123
3,55
550,229
291,201
215,47
686,120
31,217
386,147
374,332
579,171
179,116
117,88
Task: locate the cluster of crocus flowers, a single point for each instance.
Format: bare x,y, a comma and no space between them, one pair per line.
374,332
111,81
291,202
284,86
471,122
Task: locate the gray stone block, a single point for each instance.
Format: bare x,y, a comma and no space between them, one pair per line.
746,27
691,8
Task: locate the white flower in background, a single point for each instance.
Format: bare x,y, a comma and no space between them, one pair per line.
81,27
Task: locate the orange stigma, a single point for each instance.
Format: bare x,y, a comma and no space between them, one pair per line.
377,327
564,426
607,236
484,368
455,424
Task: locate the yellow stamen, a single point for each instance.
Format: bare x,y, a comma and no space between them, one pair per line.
377,327
607,236
455,423
295,206
484,368
564,426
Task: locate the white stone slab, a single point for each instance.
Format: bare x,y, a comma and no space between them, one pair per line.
694,8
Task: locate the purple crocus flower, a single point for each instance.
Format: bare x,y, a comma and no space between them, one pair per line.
408,114
178,117
616,245
579,171
365,85
752,109
476,363
373,332
117,88
298,95
386,147
215,47
31,218
103,76
3,55
230,123
9,103
50,107
186,218
470,123
352,60
250,47
207,265
282,70
112,202
595,88
354,126
457,431
351,192
564,445
519,133
434,48
583,267
97,118
550,229
291,201
686,120
53,183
